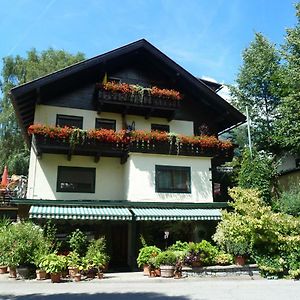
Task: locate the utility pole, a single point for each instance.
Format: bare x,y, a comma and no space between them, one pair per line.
249,133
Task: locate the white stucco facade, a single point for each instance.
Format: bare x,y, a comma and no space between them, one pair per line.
133,181
46,114
139,175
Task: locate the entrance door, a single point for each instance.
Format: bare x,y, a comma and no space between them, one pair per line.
119,247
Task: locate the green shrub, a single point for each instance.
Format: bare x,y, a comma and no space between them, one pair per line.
96,252
270,265
78,242
146,253
53,263
24,244
289,201
207,252
179,246
271,239
223,259
168,258
259,172
73,260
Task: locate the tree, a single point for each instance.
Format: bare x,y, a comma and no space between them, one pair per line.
18,70
258,171
259,86
288,123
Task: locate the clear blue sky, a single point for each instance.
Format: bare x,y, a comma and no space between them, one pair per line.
204,36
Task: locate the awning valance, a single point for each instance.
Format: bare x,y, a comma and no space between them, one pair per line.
79,212
176,214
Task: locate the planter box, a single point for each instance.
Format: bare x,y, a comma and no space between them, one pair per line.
167,271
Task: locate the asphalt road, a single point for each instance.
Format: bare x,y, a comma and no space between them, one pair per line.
133,286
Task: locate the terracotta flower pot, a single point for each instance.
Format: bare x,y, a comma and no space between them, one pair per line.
240,260
55,277
40,274
100,275
157,272
146,270
178,275
77,277
152,273
73,271
3,269
12,272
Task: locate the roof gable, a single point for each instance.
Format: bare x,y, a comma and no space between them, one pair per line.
24,97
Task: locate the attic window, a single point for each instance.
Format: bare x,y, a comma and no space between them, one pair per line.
160,127
105,124
69,121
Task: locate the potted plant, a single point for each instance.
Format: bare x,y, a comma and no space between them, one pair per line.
167,261
73,263
145,255
96,258
53,264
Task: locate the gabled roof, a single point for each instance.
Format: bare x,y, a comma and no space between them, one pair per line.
25,96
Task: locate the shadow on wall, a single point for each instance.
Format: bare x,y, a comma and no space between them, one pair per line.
104,296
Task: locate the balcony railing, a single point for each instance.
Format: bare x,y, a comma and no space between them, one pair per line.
133,102
111,143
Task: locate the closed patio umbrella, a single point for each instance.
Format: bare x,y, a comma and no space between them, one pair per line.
4,181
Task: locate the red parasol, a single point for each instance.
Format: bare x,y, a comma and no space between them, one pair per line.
4,181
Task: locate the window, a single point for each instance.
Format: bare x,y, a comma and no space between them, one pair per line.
160,127
105,124
297,162
76,180
70,121
170,179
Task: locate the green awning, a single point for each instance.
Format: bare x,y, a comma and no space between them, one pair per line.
176,214
79,212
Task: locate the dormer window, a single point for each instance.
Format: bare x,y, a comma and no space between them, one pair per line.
160,127
105,124
69,121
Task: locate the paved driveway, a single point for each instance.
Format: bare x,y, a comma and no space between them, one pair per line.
133,286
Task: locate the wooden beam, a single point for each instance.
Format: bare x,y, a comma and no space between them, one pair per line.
124,158
171,117
97,157
149,113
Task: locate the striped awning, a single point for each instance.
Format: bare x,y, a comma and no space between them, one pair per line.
176,214
79,212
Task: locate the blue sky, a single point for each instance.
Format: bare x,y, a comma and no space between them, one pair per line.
204,36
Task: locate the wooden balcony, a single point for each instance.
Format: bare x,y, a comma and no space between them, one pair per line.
45,144
174,148
137,104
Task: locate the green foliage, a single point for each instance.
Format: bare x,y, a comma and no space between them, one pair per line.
73,260
23,243
207,252
53,263
260,86
179,246
258,171
146,253
78,242
96,253
273,239
289,201
223,259
270,265
288,122
166,258
18,70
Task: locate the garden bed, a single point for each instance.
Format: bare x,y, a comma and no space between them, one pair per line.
221,271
